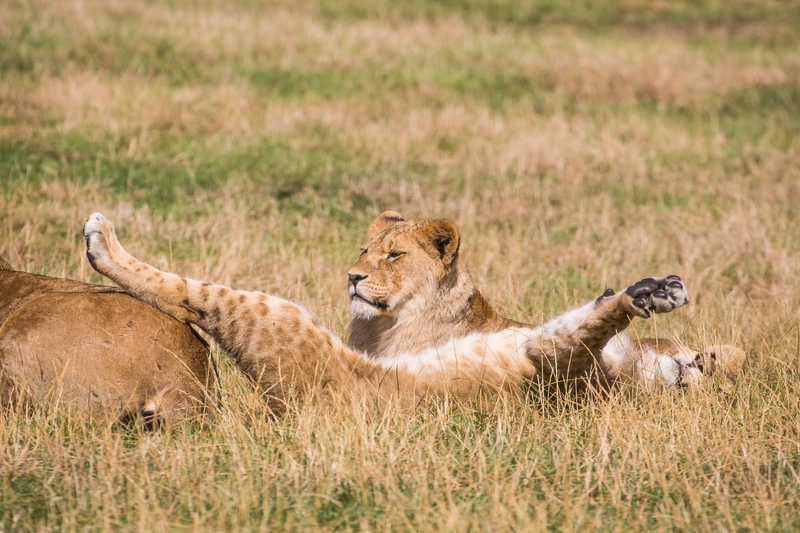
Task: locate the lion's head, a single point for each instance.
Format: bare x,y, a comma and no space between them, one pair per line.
403,266
409,291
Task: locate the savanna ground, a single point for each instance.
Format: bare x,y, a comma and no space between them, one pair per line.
578,145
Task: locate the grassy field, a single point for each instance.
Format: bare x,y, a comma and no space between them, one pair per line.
577,145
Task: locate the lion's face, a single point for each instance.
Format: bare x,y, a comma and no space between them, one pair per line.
688,365
401,266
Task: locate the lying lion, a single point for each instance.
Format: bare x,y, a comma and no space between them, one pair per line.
95,351
426,314
420,327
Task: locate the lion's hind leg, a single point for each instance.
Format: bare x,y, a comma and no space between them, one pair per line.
275,342
160,289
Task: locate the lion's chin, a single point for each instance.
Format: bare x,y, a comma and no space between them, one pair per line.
363,310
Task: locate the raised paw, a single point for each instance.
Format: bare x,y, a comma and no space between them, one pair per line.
657,295
97,232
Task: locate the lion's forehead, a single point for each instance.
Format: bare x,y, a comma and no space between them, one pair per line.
399,235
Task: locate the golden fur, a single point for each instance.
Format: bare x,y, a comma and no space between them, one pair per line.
420,327
397,308
95,351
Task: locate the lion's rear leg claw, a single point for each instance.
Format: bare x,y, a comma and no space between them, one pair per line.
662,295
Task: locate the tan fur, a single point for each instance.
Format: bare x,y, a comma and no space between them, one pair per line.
449,341
430,295
95,351
429,298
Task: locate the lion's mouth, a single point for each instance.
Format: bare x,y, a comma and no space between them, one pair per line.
378,304
683,369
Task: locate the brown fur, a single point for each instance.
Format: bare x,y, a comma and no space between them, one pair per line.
420,326
95,351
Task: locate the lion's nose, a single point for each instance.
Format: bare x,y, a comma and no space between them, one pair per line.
355,278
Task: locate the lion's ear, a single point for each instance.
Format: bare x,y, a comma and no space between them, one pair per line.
443,235
4,265
384,221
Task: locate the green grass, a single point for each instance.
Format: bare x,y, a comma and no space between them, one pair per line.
585,14
577,145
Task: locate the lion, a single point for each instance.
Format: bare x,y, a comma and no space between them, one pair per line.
98,353
410,293
420,327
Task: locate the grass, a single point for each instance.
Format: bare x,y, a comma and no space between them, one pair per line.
577,145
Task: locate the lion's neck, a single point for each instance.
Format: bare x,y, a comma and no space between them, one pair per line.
456,310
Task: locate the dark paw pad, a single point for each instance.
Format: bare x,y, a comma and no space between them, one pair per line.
641,288
605,296
657,295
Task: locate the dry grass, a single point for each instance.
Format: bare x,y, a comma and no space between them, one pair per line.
252,145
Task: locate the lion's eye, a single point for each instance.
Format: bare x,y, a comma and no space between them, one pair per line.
363,252
394,255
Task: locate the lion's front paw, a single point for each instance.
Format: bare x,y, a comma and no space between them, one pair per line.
97,232
652,295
